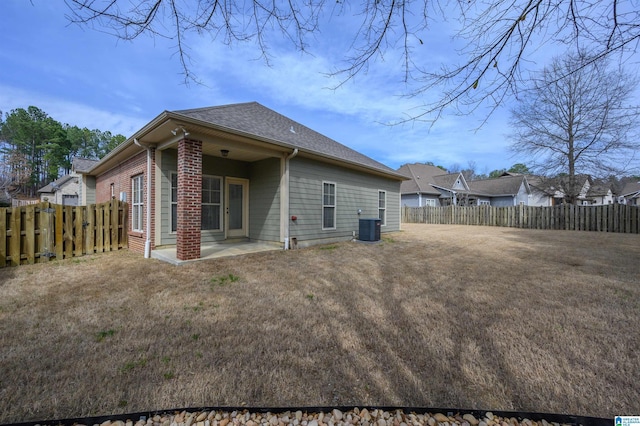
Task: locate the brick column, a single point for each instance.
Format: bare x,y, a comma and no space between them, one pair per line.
189,199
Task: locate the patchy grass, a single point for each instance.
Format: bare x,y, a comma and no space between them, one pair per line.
439,316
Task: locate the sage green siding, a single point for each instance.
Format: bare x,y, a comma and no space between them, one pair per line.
354,191
212,166
264,200
90,189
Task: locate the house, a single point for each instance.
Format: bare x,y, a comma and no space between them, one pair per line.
63,190
73,189
597,195
431,186
630,194
87,188
506,190
544,191
242,171
428,185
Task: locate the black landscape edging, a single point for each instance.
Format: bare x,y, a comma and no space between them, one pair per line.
144,415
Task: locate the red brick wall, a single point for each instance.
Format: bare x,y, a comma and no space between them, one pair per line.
189,199
120,177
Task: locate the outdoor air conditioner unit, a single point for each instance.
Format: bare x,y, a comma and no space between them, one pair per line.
123,197
369,229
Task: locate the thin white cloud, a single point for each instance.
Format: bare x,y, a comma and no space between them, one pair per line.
70,112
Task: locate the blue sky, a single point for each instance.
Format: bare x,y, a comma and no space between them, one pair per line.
91,79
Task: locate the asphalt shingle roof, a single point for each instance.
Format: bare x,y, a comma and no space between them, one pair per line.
83,165
630,188
504,185
422,176
258,120
57,183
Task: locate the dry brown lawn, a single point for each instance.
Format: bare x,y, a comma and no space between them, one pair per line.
434,316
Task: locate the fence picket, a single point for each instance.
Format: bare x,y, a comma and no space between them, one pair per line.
30,234
607,218
14,243
3,237
40,232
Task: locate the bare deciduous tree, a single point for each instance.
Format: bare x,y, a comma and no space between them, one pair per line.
499,35
576,119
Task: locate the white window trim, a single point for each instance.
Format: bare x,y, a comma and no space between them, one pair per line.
220,204
139,205
171,202
383,222
430,202
335,204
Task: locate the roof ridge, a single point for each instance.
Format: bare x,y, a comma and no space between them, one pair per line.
181,111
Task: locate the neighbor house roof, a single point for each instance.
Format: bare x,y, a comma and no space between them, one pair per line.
502,186
83,165
630,189
56,184
422,176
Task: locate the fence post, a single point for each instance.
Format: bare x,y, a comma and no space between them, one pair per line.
3,237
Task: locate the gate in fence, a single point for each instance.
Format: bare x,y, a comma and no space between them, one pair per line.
41,232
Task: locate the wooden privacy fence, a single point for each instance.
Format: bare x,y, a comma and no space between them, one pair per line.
44,231
606,218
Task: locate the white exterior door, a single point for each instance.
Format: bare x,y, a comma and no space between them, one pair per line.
237,202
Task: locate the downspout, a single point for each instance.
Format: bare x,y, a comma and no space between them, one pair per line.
147,243
286,189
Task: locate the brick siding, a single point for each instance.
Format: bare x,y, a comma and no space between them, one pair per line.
119,178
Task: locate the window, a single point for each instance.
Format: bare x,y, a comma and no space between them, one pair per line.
484,203
328,205
382,207
430,202
174,202
211,203
137,204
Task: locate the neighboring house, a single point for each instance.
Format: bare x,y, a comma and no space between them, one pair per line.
630,194
242,171
507,190
87,188
63,190
429,185
597,195
544,192
74,189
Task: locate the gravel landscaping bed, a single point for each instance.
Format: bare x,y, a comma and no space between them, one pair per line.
333,417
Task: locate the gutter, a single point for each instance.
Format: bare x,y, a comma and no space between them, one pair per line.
147,243
286,204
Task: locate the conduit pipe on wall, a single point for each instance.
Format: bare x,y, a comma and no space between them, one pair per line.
147,243
286,190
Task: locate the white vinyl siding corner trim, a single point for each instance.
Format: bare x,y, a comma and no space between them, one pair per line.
328,205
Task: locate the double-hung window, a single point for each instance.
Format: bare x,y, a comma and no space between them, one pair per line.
137,203
174,202
211,203
328,205
382,207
